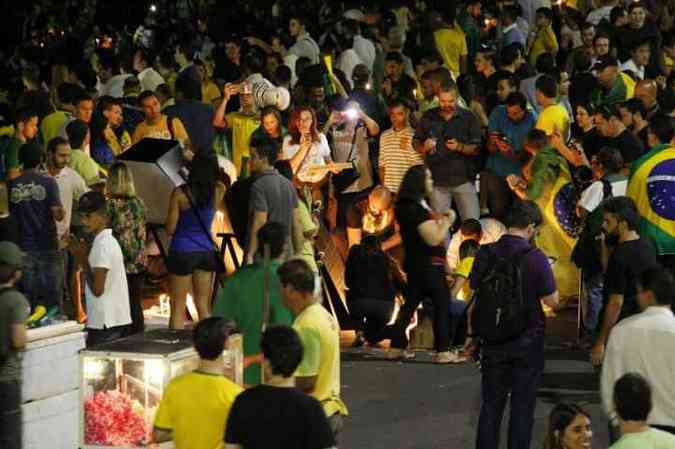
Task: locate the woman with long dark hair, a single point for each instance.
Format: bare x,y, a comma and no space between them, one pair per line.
192,261
423,231
271,127
305,146
569,427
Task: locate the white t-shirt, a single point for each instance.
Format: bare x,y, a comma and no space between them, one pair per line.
71,187
594,194
307,47
366,51
493,230
317,155
347,61
111,309
150,79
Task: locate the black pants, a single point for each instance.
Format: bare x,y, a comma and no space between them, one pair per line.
136,281
99,336
514,369
11,425
375,312
495,194
426,283
669,429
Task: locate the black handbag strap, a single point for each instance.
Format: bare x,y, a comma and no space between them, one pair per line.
351,150
186,191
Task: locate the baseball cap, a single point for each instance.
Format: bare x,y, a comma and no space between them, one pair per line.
10,254
91,201
605,61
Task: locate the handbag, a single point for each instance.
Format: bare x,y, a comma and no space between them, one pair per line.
347,177
220,264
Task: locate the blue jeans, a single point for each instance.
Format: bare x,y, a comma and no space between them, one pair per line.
591,300
43,278
464,194
516,368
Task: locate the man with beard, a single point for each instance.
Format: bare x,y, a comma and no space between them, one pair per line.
448,137
630,257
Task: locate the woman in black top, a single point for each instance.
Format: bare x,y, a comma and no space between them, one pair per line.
371,277
423,232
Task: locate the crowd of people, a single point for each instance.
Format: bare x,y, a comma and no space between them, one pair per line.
483,163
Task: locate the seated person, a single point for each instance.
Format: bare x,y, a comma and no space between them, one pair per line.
484,231
374,216
370,276
290,418
460,291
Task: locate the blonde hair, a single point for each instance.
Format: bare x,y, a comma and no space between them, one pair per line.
120,181
4,200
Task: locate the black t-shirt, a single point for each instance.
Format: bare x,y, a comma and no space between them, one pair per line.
267,417
630,146
418,255
628,260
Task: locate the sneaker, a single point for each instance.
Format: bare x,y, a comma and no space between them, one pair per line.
446,357
399,354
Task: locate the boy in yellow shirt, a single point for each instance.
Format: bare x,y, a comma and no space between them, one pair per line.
543,40
195,406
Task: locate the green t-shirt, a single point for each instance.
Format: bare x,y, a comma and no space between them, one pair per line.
10,149
649,439
241,300
14,309
84,165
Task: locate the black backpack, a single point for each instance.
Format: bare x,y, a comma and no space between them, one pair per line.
500,310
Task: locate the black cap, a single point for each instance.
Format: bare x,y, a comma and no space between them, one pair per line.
605,61
91,202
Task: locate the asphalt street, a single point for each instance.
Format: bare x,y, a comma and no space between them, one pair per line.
419,405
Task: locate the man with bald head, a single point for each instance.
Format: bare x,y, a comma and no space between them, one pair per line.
374,216
646,91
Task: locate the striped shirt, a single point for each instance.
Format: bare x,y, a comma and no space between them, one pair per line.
397,155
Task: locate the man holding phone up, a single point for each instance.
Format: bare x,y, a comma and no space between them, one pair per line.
507,129
448,137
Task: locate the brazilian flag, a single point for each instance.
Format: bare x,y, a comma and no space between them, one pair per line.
652,186
557,199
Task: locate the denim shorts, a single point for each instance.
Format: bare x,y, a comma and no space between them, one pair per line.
186,263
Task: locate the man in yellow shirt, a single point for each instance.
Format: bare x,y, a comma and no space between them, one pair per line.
553,118
243,123
543,40
319,371
195,406
451,45
66,97
156,125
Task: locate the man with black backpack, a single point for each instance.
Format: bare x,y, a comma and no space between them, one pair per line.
510,279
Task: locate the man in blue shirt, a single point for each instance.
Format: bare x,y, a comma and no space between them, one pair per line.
35,202
508,126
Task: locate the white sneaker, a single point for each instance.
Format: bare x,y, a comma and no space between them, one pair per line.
446,357
399,354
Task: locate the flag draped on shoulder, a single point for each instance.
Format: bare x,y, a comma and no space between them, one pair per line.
652,186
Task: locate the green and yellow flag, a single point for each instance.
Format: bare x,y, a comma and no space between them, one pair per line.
652,186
